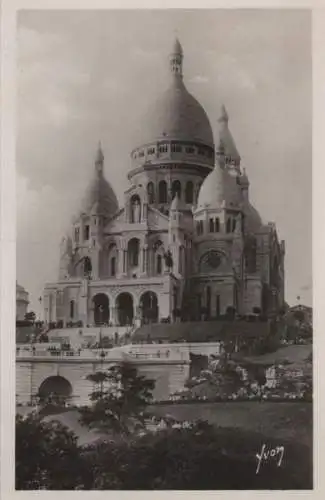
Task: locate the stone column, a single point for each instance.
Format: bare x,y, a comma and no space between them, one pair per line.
112,314
125,256
46,308
145,212
142,260
146,254
136,311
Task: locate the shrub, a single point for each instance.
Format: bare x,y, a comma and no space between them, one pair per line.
196,459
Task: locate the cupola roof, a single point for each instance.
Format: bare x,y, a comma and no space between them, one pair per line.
176,114
252,219
99,194
219,187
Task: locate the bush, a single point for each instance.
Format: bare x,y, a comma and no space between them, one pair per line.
47,456
201,458
197,459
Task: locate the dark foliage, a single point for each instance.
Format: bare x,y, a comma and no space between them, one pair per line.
202,458
197,459
47,456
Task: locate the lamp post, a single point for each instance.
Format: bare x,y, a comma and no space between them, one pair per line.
40,302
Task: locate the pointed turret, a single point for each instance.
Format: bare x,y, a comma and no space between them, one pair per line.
223,118
176,204
99,160
227,147
177,49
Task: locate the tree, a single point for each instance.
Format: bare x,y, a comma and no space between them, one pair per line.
118,400
47,455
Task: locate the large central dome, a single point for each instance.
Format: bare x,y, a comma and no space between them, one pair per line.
177,114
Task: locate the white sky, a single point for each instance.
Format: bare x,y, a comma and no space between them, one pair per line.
85,76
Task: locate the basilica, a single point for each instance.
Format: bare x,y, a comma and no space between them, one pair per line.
187,244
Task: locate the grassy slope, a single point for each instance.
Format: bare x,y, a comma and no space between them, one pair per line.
292,353
293,421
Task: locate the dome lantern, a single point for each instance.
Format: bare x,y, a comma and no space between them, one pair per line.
176,59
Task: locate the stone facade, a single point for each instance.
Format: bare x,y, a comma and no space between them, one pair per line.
167,365
187,242
22,302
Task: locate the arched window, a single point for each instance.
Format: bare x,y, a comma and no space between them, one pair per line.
133,252
86,232
162,192
150,192
113,267
198,190
112,259
135,209
149,307
228,226
77,234
71,309
233,225
189,192
159,264
87,266
199,227
176,188
217,224
211,226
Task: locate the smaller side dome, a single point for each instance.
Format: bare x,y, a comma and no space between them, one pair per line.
212,189
218,187
252,219
99,197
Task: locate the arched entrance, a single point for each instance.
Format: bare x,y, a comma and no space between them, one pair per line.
124,306
101,309
55,390
149,307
